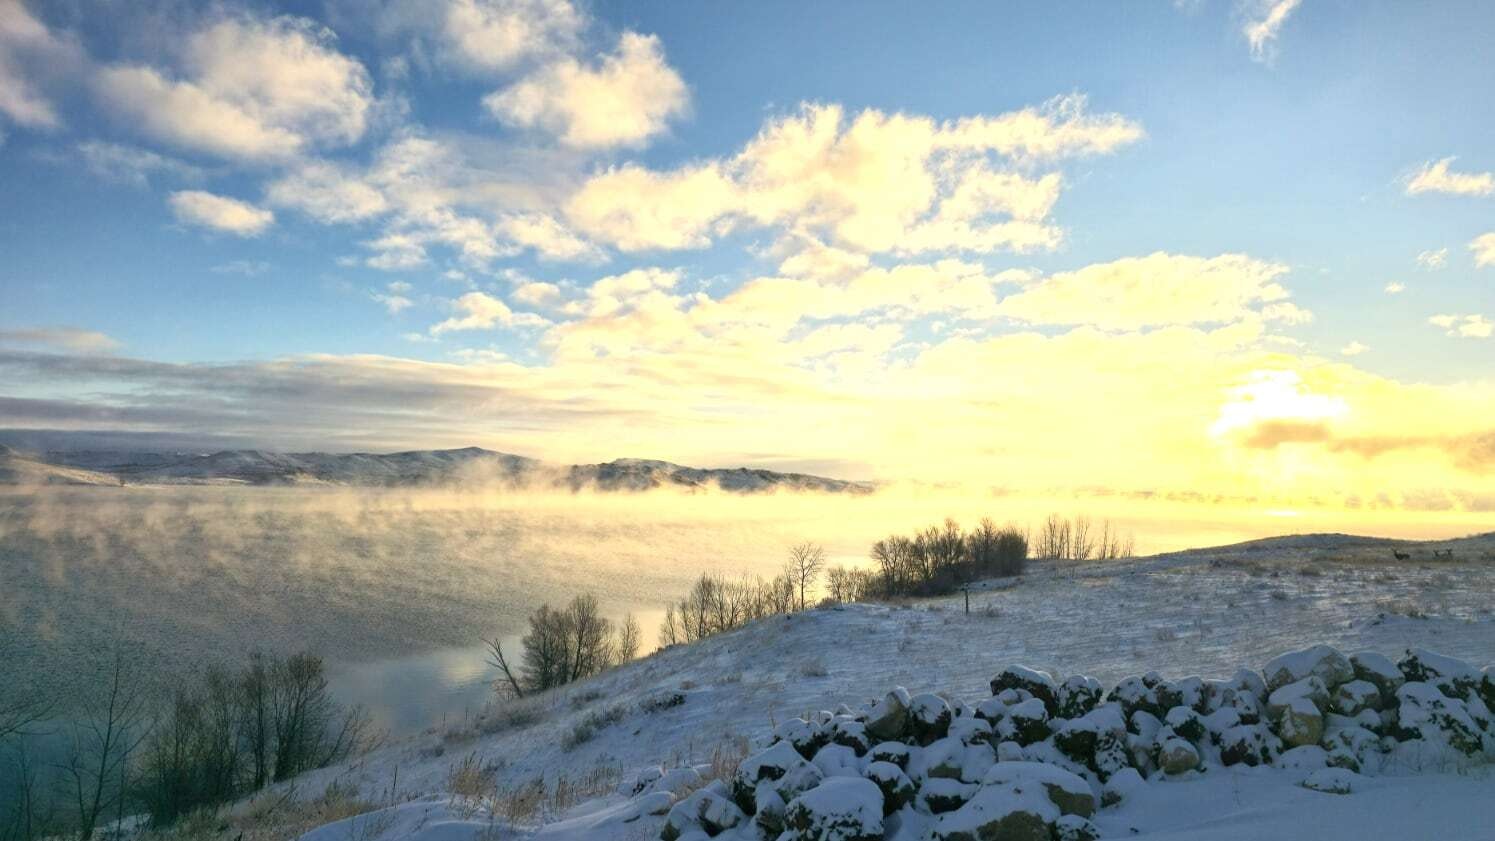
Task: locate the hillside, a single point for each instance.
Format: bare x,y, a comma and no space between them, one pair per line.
16,469
470,466
1204,612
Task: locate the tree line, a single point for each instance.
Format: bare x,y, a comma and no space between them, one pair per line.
208,741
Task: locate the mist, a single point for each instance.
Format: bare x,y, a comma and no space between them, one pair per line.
187,575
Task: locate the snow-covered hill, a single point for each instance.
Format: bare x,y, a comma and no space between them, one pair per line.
417,468
1204,612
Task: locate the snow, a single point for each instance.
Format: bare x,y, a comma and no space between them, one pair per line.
744,684
839,809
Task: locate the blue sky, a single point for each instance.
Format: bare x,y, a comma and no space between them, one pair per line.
495,213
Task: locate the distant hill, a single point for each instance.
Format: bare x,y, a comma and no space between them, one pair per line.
416,468
17,469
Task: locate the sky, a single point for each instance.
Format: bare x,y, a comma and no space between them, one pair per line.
1215,249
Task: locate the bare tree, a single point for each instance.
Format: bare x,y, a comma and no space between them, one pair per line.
21,716
497,660
629,639
806,560
100,745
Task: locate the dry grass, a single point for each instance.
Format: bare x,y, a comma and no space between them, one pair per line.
271,817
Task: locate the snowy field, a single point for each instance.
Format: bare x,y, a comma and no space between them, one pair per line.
1205,612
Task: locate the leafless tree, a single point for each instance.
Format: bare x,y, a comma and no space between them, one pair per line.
629,639
806,560
100,745
509,684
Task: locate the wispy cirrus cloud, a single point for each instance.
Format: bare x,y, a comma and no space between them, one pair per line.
71,339
1264,22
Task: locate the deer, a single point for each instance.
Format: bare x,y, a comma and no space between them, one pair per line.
1401,556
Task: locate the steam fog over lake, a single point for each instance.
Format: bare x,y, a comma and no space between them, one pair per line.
398,588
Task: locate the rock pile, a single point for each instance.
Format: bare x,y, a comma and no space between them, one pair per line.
1036,759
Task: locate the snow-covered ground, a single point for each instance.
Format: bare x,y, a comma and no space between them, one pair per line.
1205,612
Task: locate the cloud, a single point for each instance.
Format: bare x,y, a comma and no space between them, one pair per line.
1432,260
197,207
1472,326
1483,247
30,55
550,239
1474,453
872,182
1395,288
1353,349
1264,21
327,193
247,268
65,338
394,297
131,165
479,311
1435,177
494,35
248,89
1159,289
625,100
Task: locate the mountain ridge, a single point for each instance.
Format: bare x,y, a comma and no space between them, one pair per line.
474,466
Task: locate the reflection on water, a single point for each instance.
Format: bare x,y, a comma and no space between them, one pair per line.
405,695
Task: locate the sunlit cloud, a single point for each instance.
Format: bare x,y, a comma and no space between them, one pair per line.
625,99
1474,326
869,182
394,297
1437,177
1159,289
1353,349
247,268
133,165
1395,288
221,213
1483,247
247,89
480,311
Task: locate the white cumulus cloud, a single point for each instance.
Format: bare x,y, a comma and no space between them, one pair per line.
221,213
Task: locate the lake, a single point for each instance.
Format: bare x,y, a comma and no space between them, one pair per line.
397,589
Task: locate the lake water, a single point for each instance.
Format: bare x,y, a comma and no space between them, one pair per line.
398,589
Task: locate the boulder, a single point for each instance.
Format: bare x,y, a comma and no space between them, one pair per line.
897,789
1245,744
839,809
1311,689
1303,758
806,738
888,719
1186,722
837,761
929,717
778,764
1077,695
941,795
1027,722
1320,661
1068,791
1177,756
1357,695
1000,813
1424,712
894,752
1378,669
1038,684
1300,723
852,734
705,810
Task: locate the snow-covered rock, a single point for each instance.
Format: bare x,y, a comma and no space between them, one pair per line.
1321,661
839,809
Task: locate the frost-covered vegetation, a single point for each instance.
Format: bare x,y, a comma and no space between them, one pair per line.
1039,758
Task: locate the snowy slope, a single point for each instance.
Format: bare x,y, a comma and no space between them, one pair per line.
1206,612
16,469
